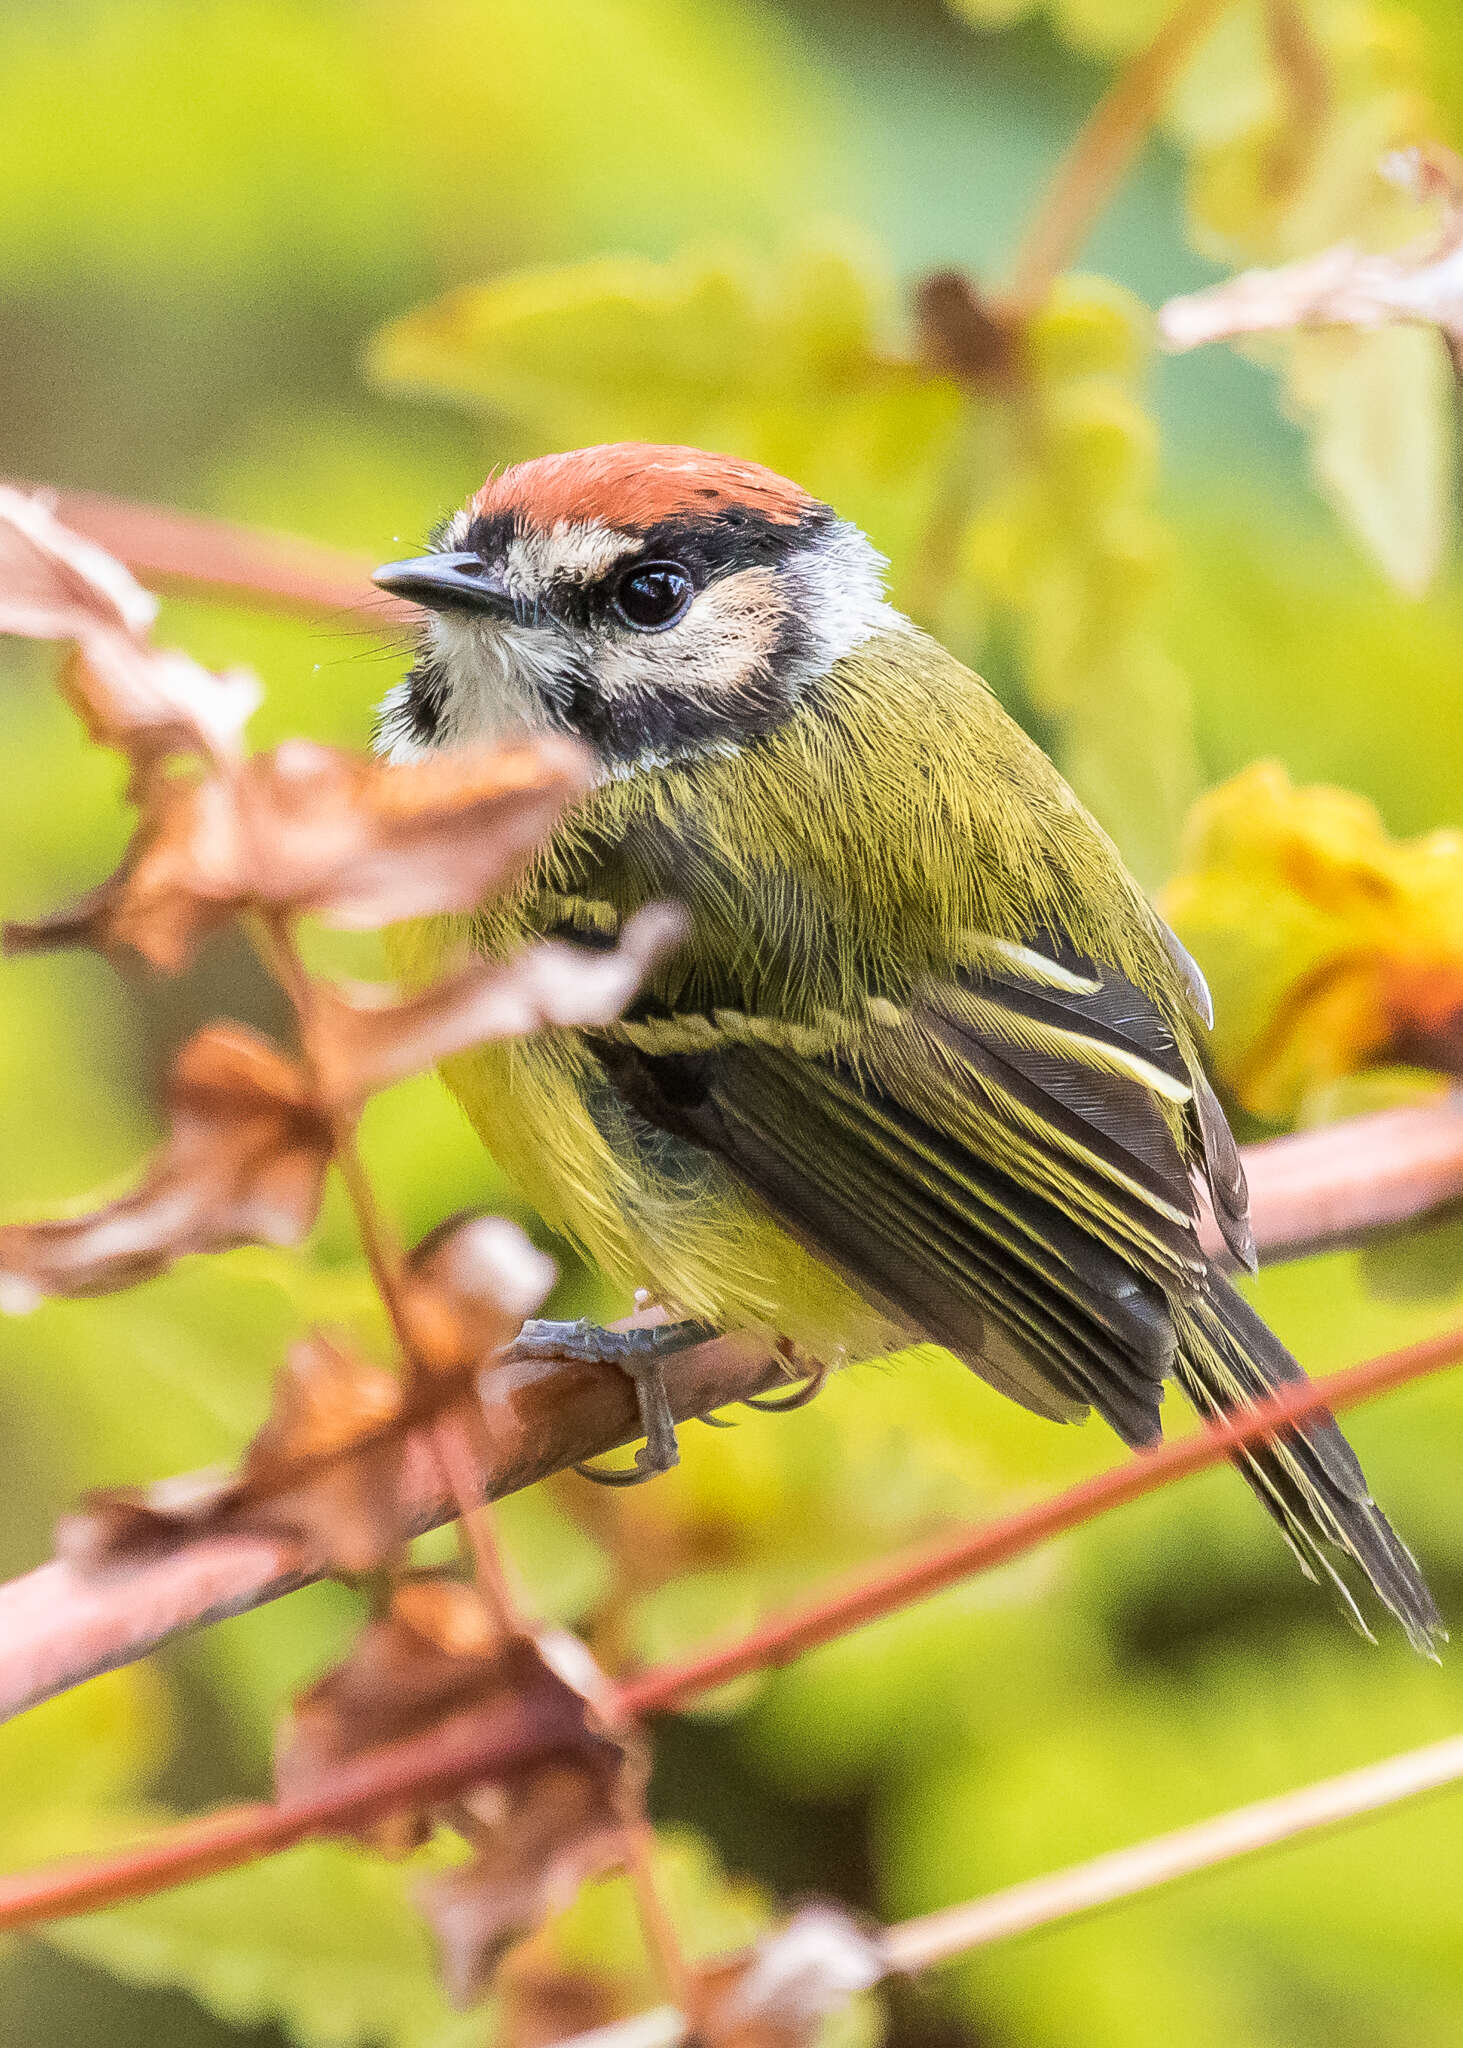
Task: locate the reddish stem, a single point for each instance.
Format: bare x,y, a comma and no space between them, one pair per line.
466,1751
181,553
1098,160
470,1749
932,1567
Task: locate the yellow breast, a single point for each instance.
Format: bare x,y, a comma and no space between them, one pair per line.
701,1246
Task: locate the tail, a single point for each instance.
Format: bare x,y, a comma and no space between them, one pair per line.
1308,1479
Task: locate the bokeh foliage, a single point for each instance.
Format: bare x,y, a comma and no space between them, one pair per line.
316,263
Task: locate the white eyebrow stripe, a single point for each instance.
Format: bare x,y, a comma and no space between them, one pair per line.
569,551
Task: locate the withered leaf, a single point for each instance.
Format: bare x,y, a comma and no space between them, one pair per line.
542,2003
330,1464
308,828
56,585
535,1845
779,1993
329,1417
243,1164
435,1654
362,1040
539,1836
325,1467
1344,286
469,1285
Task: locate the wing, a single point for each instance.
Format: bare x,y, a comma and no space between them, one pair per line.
1006,1160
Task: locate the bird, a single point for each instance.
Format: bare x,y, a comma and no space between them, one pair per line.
926,1064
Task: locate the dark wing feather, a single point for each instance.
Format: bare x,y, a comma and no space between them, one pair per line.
1006,1163
991,1162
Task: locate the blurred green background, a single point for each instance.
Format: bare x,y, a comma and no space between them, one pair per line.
208,208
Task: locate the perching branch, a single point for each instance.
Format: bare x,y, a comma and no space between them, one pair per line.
246,1833
66,1622
59,1624
1326,1189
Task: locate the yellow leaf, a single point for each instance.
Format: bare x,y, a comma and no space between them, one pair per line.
1329,946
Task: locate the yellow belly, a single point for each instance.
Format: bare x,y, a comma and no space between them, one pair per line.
702,1247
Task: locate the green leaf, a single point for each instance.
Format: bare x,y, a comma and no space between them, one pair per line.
323,1940
1043,499
73,1768
621,348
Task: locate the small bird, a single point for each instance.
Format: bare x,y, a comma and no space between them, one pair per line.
926,1066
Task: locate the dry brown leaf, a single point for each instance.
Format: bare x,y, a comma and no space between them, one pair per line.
541,2003
332,1414
469,1285
779,1993
308,828
328,1464
1344,286
243,1164
326,1467
361,1039
536,1841
152,702
435,1654
538,1837
55,585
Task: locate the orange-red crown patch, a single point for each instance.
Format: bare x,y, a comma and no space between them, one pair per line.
634,485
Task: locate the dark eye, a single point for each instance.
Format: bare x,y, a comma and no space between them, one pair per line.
654,595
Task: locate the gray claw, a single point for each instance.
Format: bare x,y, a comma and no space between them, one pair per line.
640,1354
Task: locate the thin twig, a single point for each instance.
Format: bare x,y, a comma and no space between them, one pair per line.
472,1748
932,1567
1021,1908
181,553
1099,158
655,1922
1064,1895
464,1480
248,1833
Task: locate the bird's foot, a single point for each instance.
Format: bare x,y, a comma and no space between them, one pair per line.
640,1355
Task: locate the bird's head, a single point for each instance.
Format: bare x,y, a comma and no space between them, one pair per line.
656,601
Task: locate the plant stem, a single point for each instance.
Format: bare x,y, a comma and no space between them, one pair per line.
383,1256
388,1778
464,1482
655,1921
472,1748
934,1566
179,552
1099,158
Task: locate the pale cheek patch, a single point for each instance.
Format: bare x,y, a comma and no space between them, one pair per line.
724,645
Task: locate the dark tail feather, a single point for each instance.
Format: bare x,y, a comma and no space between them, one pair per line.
1309,1479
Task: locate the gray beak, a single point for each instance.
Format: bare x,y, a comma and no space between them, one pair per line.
448,583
